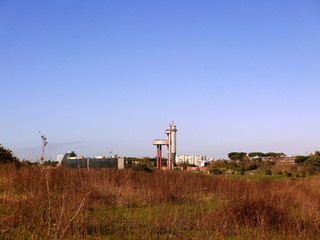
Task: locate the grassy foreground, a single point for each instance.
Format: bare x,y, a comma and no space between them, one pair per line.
124,204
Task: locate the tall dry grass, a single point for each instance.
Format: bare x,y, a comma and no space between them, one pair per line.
123,204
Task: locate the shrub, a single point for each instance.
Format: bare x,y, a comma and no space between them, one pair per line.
300,159
279,172
215,171
310,169
289,174
268,172
6,156
141,167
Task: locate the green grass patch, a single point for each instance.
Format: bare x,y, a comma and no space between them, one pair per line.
257,177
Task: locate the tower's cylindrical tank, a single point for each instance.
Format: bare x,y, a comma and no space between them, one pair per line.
173,146
173,138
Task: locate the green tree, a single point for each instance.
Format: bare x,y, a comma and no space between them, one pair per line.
141,167
300,159
317,154
315,161
273,155
282,155
237,155
256,154
50,163
6,156
215,171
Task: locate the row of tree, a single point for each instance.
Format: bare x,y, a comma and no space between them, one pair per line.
240,166
242,155
311,159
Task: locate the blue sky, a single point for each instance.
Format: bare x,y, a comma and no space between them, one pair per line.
96,76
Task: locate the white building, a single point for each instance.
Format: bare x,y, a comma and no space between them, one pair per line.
197,160
59,158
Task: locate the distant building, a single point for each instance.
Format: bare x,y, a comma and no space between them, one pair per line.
287,160
197,160
59,158
71,160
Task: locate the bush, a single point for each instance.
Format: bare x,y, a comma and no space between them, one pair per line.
6,156
310,169
300,159
268,172
279,172
289,174
141,167
215,171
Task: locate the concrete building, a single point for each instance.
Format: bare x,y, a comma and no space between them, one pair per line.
71,160
198,160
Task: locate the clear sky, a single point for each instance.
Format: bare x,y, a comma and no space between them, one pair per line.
96,76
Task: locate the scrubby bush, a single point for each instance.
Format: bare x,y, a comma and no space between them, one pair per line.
310,169
141,167
268,172
279,172
215,171
300,159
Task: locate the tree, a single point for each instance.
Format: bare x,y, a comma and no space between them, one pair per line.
315,161
272,155
141,167
282,155
237,155
50,163
256,154
219,164
6,156
215,171
300,159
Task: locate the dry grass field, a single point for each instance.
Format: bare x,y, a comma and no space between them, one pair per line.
40,203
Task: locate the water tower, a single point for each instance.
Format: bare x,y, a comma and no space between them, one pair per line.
170,142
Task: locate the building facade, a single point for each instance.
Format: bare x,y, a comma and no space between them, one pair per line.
71,160
197,160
